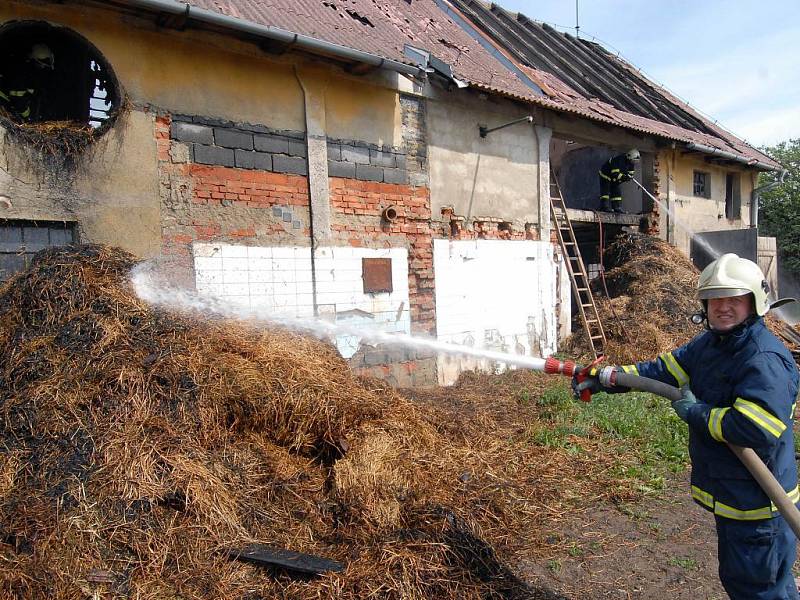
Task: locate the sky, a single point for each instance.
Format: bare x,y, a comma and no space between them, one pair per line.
737,61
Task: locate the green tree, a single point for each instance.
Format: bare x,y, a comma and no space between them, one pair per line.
779,208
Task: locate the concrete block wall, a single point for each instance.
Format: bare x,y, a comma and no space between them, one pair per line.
210,141
351,159
244,146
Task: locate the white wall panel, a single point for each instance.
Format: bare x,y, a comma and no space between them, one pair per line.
494,294
279,279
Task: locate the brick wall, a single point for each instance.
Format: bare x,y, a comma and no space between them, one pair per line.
356,209
210,202
455,227
241,199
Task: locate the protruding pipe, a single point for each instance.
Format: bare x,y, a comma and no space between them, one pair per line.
389,214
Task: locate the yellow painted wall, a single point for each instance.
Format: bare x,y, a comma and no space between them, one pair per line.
355,111
700,214
195,72
113,196
495,176
116,196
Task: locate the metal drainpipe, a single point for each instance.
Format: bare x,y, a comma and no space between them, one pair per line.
729,156
670,208
274,33
758,191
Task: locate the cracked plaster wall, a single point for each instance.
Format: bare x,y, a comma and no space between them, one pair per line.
496,176
110,190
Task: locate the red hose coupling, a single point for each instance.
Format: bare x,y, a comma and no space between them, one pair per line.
553,366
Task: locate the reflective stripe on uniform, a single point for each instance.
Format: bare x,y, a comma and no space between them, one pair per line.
702,497
715,423
604,197
760,416
674,369
723,510
616,198
794,495
630,369
3,96
604,176
614,171
20,93
26,113
729,512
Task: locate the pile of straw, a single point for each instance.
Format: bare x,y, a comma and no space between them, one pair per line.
651,296
58,141
137,447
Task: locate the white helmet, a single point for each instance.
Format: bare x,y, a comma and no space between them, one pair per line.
731,275
42,55
633,154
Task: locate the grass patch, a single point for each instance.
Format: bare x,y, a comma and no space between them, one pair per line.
642,425
687,563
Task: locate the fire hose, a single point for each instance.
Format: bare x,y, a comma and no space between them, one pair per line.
748,457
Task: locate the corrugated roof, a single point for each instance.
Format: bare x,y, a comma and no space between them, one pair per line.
576,76
383,28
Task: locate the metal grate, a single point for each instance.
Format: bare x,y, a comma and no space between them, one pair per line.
20,240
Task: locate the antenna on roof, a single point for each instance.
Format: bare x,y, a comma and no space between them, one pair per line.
577,22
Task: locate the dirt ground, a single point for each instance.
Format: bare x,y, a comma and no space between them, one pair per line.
663,548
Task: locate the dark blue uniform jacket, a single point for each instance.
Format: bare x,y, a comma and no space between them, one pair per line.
746,385
618,169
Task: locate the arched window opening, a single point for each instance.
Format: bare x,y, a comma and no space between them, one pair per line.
52,75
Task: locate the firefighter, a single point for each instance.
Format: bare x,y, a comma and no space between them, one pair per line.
739,384
614,172
21,89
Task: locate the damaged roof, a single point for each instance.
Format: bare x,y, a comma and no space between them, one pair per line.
494,50
383,28
586,76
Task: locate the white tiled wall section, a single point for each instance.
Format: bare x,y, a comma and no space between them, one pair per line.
494,294
279,279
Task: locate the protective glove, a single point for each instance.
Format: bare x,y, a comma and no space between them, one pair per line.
592,382
684,403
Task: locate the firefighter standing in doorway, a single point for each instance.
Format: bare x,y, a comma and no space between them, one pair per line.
614,172
739,385
22,86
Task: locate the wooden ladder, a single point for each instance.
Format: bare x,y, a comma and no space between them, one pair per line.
576,269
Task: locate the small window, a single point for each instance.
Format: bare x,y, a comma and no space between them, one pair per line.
20,240
52,75
733,196
702,184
